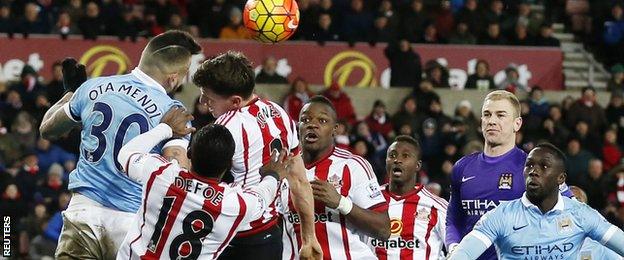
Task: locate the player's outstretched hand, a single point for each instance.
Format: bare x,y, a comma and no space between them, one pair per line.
280,163
74,74
311,251
177,118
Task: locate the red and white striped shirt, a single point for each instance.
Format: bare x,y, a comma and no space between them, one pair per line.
254,127
417,226
184,215
353,177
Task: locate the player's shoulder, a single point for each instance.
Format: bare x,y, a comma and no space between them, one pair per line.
355,163
466,160
436,201
230,117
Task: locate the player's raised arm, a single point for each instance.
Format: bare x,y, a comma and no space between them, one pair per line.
57,120
173,124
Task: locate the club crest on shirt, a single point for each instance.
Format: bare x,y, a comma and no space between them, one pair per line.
423,214
505,182
396,226
335,181
565,224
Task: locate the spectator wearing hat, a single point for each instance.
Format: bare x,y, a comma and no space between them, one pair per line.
545,37
463,112
405,67
342,103
28,87
235,28
481,79
379,120
512,82
616,83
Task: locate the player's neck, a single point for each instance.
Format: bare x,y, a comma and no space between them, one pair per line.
497,150
249,100
313,157
548,203
402,188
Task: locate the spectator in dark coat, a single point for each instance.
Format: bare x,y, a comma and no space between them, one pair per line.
30,177
587,109
424,95
381,32
409,115
405,68
357,22
7,23
324,30
92,25
437,74
54,89
481,79
538,103
577,162
342,103
268,73
594,184
413,22
462,35
33,20
28,87
545,37
209,16
127,26
615,115
521,36
493,35
379,120
472,17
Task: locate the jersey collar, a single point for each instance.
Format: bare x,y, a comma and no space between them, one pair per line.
558,207
147,80
416,189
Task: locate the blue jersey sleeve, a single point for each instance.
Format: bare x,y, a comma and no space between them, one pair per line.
455,215
594,224
490,225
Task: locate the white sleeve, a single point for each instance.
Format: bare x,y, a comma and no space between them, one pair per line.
441,225
140,166
365,192
259,197
143,143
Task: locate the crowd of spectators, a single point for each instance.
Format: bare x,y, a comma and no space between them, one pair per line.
493,22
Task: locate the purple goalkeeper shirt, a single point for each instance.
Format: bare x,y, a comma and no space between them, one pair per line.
478,184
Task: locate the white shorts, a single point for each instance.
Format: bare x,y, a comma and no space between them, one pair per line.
91,231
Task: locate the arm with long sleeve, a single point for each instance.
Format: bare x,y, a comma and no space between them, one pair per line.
455,215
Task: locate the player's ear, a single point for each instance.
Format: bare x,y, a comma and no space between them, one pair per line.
562,178
418,165
237,101
517,124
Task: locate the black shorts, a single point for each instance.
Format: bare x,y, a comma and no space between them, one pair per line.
266,245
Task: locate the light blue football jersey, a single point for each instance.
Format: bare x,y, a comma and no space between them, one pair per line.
519,230
593,250
113,110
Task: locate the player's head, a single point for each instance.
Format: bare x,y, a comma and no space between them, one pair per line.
211,151
167,57
579,194
403,160
544,171
317,125
500,118
226,82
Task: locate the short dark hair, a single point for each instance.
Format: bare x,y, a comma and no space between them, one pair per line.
325,101
211,151
410,140
554,150
173,38
227,74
